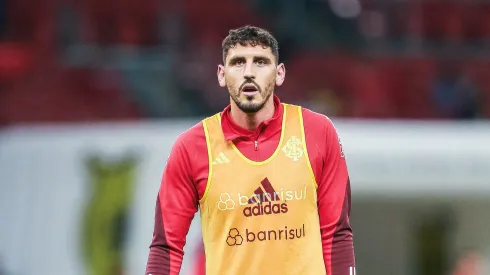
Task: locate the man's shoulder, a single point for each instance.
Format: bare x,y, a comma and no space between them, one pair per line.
317,120
320,130
192,136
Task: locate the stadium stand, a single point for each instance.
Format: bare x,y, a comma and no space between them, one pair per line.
39,86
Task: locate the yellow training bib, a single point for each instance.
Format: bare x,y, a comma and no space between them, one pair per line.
261,217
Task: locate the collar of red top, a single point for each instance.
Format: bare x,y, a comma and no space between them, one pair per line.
232,131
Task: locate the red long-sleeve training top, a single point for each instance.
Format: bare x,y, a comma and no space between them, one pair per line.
185,177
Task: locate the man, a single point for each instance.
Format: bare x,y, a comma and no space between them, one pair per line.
270,179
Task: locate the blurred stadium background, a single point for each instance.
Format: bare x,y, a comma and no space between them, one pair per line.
94,92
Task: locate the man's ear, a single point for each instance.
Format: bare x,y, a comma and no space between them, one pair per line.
280,74
221,76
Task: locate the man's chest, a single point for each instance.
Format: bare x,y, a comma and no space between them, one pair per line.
283,177
235,181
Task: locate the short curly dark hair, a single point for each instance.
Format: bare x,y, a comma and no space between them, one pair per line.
253,36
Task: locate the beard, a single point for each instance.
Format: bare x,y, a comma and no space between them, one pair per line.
248,105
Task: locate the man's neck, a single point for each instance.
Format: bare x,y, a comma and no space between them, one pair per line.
251,121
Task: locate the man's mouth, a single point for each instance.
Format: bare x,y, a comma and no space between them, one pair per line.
250,90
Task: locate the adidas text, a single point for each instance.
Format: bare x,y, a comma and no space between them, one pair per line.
265,209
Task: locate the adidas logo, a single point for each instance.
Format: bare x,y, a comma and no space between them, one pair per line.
263,198
220,159
266,194
264,201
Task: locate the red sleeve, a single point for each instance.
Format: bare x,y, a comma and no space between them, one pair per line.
176,205
330,169
334,203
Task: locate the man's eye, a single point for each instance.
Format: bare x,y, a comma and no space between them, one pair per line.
261,62
239,63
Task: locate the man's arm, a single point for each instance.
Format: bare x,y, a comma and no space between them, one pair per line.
177,202
334,203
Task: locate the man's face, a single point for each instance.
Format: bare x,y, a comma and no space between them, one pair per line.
250,74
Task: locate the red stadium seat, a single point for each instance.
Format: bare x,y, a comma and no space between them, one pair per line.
483,22
32,23
443,20
59,95
209,24
137,23
16,59
410,87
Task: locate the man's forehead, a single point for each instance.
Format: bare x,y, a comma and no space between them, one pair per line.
249,51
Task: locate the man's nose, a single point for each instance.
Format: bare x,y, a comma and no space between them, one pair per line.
249,71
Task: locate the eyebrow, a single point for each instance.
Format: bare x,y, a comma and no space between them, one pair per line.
261,57
234,59
241,58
